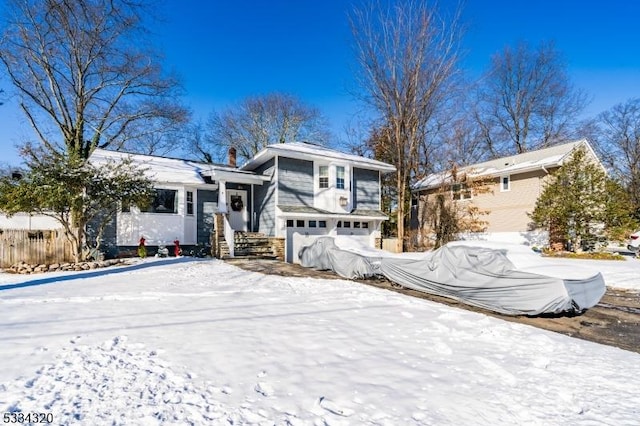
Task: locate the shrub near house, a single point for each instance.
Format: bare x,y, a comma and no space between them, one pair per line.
581,206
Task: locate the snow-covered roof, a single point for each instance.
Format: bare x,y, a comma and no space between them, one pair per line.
309,151
175,170
160,169
521,163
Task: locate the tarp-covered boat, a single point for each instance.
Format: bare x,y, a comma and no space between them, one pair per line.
475,275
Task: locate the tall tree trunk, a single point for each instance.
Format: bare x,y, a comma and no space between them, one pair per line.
400,212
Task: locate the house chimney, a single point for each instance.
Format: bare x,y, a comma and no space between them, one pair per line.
232,157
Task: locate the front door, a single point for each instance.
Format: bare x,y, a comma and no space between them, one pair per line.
237,207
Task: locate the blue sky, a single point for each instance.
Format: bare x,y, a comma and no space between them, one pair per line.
228,50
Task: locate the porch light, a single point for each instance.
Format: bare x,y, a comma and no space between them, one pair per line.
343,201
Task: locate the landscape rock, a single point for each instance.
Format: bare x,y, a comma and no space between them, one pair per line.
25,268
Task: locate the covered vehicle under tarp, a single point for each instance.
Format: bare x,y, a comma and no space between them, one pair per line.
478,276
324,254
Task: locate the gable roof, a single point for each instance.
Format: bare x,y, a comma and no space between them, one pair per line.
540,159
175,170
309,151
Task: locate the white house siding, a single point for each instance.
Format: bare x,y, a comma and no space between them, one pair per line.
27,221
157,228
333,199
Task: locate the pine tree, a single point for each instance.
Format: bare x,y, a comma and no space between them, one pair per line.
76,194
580,204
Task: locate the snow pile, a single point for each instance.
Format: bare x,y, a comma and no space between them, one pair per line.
113,383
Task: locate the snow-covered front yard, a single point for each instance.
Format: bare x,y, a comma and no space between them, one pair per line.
185,341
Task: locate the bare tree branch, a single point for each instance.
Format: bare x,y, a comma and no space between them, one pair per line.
408,58
618,142
525,100
257,122
83,69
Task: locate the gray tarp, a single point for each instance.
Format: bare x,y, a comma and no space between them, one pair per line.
477,276
324,254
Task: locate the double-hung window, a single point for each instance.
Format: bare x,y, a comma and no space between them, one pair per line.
323,173
340,177
460,191
189,202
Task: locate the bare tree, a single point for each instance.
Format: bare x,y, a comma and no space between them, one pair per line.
618,140
408,57
84,73
446,210
526,100
256,122
85,78
199,144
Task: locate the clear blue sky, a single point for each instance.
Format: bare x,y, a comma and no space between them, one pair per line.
228,50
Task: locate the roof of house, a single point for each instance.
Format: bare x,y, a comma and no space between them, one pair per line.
175,170
521,163
309,151
160,169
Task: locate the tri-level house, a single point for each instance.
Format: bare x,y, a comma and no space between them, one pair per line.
314,191
281,199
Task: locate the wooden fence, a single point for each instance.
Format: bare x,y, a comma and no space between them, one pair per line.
390,244
34,247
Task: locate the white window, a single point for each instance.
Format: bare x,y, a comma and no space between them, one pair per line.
340,177
505,183
189,203
323,173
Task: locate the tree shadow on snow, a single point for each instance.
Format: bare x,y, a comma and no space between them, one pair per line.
100,272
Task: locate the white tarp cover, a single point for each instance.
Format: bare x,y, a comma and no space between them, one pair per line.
477,276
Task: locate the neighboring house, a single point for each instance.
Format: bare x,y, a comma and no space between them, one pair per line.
27,221
294,191
514,185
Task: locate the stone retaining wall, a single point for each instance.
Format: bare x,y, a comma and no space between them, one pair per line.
25,268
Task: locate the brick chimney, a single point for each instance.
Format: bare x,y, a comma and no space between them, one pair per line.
232,157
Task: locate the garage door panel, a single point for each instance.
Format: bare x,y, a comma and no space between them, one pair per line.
298,238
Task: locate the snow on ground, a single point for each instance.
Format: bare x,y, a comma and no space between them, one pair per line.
202,342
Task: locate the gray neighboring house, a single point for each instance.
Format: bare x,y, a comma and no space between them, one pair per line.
294,192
